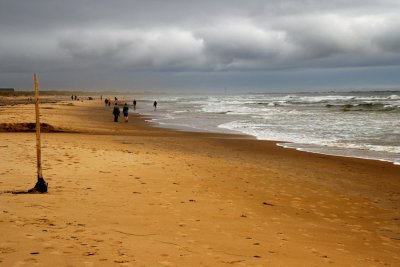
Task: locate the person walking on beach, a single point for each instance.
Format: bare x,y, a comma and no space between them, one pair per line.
125,110
134,104
116,112
106,101
155,105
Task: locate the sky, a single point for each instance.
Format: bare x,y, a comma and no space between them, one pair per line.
205,46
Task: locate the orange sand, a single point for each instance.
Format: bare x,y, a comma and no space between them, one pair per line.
128,194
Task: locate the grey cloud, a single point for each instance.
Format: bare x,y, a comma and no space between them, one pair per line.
388,38
202,36
134,48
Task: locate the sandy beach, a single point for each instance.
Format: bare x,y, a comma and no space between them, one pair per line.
131,194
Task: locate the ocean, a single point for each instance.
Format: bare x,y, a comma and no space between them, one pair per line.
352,124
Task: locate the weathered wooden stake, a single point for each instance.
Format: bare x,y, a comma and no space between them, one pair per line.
41,185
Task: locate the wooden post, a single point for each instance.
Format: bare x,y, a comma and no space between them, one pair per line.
38,141
41,185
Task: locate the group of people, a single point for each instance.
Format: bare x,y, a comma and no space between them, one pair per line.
125,109
107,102
117,112
74,97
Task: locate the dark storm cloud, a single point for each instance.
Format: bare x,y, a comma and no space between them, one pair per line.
200,36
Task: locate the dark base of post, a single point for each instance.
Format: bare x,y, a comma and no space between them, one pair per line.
40,187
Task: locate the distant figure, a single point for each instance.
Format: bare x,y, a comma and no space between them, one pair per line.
134,104
106,101
72,97
155,105
125,110
116,112
115,98
101,97
109,102
75,97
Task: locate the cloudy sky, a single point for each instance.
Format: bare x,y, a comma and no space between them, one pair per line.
269,45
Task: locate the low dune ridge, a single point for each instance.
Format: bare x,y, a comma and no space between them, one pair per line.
27,127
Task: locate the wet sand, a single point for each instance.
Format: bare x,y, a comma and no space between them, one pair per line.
130,194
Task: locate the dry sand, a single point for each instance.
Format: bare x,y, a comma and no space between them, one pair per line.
128,194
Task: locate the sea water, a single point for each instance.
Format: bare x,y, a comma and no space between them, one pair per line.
353,124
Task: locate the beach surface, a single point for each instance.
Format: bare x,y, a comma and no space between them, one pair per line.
131,194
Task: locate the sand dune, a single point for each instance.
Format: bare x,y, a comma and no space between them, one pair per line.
26,127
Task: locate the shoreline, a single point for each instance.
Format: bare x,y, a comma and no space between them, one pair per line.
149,121
365,131
130,194
331,151
282,144
328,152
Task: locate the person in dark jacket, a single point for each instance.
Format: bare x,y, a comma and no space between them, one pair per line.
125,110
116,112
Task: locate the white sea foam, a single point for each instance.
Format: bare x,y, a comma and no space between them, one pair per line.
358,124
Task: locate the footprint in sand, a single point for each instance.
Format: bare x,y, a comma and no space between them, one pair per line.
121,261
318,254
26,261
6,250
165,263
